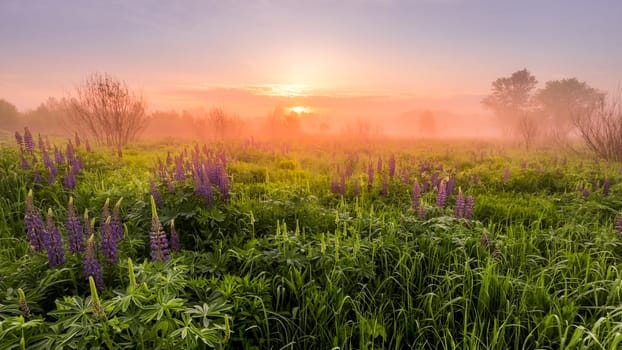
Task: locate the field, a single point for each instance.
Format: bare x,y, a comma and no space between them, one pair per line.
308,245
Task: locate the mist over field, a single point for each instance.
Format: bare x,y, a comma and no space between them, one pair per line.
293,174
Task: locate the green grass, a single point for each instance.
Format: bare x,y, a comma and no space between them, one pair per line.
287,264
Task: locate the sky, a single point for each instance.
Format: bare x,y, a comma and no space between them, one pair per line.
350,57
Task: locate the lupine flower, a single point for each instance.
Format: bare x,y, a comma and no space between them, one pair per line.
180,174
434,180
342,184
87,146
523,165
109,244
53,242
157,236
506,174
91,265
585,192
460,205
441,196
74,229
450,186
392,166
355,187
98,309
25,164
416,201
370,177
70,179
41,144
379,167
206,191
69,152
155,193
23,304
58,156
20,140
29,143
174,238
468,207
426,186
116,225
606,185
77,139
36,176
224,185
52,176
34,225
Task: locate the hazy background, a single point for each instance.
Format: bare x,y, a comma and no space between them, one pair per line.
384,63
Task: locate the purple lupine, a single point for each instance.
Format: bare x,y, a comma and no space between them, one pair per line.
506,174
523,165
20,141
434,180
74,229
450,186
385,185
155,193
334,185
25,164
606,185
58,156
87,146
174,238
468,207
426,186
104,215
416,200
29,143
157,236
70,179
47,161
109,244
370,177
441,196
36,176
342,184
91,265
355,187
460,205
116,225
53,241
379,166
392,166
224,184
180,174
52,176
585,192
77,139
70,152
41,144
34,225
206,191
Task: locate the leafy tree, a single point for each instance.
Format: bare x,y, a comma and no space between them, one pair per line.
9,116
559,100
511,101
105,108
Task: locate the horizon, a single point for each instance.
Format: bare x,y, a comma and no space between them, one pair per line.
349,59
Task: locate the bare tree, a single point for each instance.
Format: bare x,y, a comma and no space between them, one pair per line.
527,127
105,108
601,127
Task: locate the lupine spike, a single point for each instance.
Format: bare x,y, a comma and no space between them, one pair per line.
442,195
116,225
416,195
468,208
174,237
34,225
53,242
98,310
109,244
159,243
23,304
460,205
92,268
74,229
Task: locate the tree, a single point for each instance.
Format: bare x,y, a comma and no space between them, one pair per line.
105,108
600,126
561,99
9,116
511,101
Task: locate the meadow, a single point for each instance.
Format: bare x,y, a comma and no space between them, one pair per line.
327,244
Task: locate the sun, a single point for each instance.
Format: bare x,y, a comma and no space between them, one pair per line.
300,109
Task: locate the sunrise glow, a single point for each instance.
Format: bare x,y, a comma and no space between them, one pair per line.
300,109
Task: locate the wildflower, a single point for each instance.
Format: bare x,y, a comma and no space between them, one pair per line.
34,225
441,195
416,201
116,225
58,156
158,241
25,164
355,187
506,174
29,143
91,265
379,167
23,304
392,166
206,191
468,207
69,152
87,145
450,186
98,309
606,185
224,184
70,179
74,229
77,139
174,238
36,176
342,184
20,140
370,177
155,193
460,205
53,242
109,244
180,174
